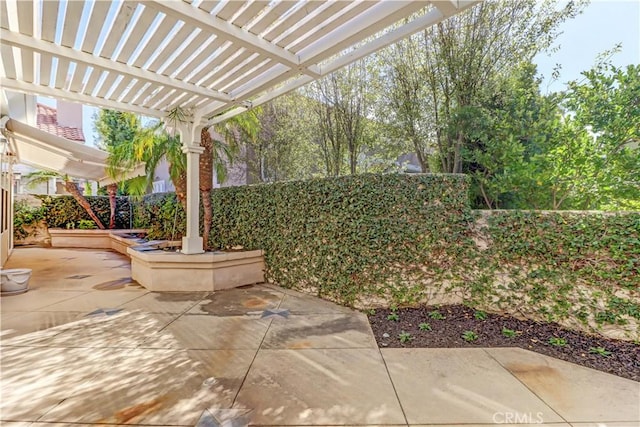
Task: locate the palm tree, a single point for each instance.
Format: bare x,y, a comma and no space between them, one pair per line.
112,191
39,177
149,145
218,152
212,158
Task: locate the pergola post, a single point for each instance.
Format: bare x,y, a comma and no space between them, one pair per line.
190,136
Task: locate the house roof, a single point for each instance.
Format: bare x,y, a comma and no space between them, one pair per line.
213,59
47,121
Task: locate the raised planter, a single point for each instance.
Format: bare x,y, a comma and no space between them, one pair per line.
160,270
92,239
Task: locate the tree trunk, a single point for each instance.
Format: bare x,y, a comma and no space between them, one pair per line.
72,188
206,182
205,195
112,191
181,189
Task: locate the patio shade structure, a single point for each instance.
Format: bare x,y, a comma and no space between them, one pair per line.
43,150
211,59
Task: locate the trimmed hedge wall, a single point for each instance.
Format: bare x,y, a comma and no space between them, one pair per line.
580,269
343,238
64,211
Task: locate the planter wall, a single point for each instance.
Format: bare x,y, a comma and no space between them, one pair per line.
210,271
92,239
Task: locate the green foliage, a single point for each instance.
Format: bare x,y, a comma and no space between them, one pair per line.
572,150
436,315
424,326
509,333
342,238
393,316
405,337
87,224
600,350
65,212
469,336
557,342
562,265
480,315
25,217
162,215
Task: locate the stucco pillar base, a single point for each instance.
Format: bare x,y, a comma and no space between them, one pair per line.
191,245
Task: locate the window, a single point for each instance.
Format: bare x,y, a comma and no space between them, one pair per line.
158,187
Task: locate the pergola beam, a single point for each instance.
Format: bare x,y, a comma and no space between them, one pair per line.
213,24
34,89
27,44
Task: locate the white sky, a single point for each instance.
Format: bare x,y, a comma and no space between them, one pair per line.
602,25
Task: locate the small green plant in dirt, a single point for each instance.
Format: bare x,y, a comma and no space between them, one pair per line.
436,315
405,337
87,224
557,342
480,315
600,350
469,336
393,316
424,326
371,312
509,333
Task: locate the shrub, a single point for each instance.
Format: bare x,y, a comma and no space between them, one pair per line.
25,217
65,212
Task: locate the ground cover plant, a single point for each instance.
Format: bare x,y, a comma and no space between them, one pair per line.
459,327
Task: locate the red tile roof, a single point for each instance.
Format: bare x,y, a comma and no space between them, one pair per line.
47,120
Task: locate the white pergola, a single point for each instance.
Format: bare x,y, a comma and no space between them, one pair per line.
213,59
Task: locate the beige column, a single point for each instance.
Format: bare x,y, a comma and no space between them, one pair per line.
192,241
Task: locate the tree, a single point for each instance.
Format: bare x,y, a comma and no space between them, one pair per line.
405,111
220,145
285,147
38,177
115,128
459,62
341,102
593,162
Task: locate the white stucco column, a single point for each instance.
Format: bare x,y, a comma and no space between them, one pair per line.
192,241
190,137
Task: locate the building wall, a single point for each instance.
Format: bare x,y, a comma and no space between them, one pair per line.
69,114
6,210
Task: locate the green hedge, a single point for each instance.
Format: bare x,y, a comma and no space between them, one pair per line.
161,215
65,212
568,267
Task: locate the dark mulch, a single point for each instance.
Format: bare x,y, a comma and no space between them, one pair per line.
623,361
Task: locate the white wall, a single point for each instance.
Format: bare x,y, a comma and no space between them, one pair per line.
69,114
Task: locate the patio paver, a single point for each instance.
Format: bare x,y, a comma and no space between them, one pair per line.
116,354
577,393
320,387
435,383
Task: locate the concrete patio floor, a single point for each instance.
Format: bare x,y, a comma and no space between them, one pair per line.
87,346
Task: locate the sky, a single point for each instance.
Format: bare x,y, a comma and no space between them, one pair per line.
602,25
